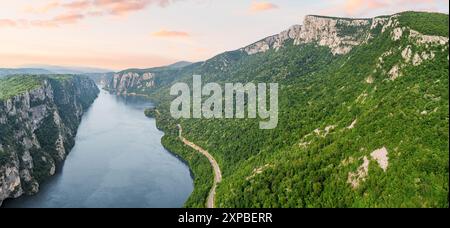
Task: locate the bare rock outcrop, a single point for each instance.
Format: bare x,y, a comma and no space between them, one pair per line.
129,82
340,35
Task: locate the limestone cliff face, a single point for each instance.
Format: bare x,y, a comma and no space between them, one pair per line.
37,131
339,34
131,82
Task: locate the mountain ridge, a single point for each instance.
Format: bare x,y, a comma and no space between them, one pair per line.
69,69
12,71
363,118
338,34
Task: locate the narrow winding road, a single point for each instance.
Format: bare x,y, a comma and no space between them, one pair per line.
214,164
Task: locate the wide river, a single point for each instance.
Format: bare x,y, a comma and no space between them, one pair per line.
118,161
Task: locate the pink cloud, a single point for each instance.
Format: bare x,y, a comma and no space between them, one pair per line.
112,6
262,6
7,23
42,9
68,18
78,5
75,11
95,13
121,7
170,34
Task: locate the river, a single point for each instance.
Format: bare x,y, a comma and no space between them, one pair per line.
118,161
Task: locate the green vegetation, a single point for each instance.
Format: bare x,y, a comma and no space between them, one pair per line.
151,112
15,128
200,167
17,84
426,23
201,170
60,77
355,31
300,163
14,85
306,161
331,117
4,157
47,136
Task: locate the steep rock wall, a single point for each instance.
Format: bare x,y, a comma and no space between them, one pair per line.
37,131
130,82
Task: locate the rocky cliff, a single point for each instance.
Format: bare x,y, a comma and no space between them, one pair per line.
37,131
130,82
339,34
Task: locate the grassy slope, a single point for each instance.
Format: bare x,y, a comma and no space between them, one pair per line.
319,90
14,85
11,86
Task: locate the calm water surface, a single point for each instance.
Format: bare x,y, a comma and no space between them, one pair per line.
118,161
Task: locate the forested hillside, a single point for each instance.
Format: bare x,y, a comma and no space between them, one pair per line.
363,120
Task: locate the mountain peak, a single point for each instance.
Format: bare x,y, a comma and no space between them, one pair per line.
342,34
339,34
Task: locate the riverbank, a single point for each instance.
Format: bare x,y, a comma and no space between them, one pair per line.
217,172
201,169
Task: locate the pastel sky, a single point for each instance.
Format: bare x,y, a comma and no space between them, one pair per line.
119,34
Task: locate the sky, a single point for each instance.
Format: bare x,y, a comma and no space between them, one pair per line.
121,34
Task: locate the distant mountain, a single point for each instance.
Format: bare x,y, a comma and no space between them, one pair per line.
179,64
11,71
69,70
174,66
100,78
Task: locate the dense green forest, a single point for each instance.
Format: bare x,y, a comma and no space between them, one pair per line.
426,23
335,112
